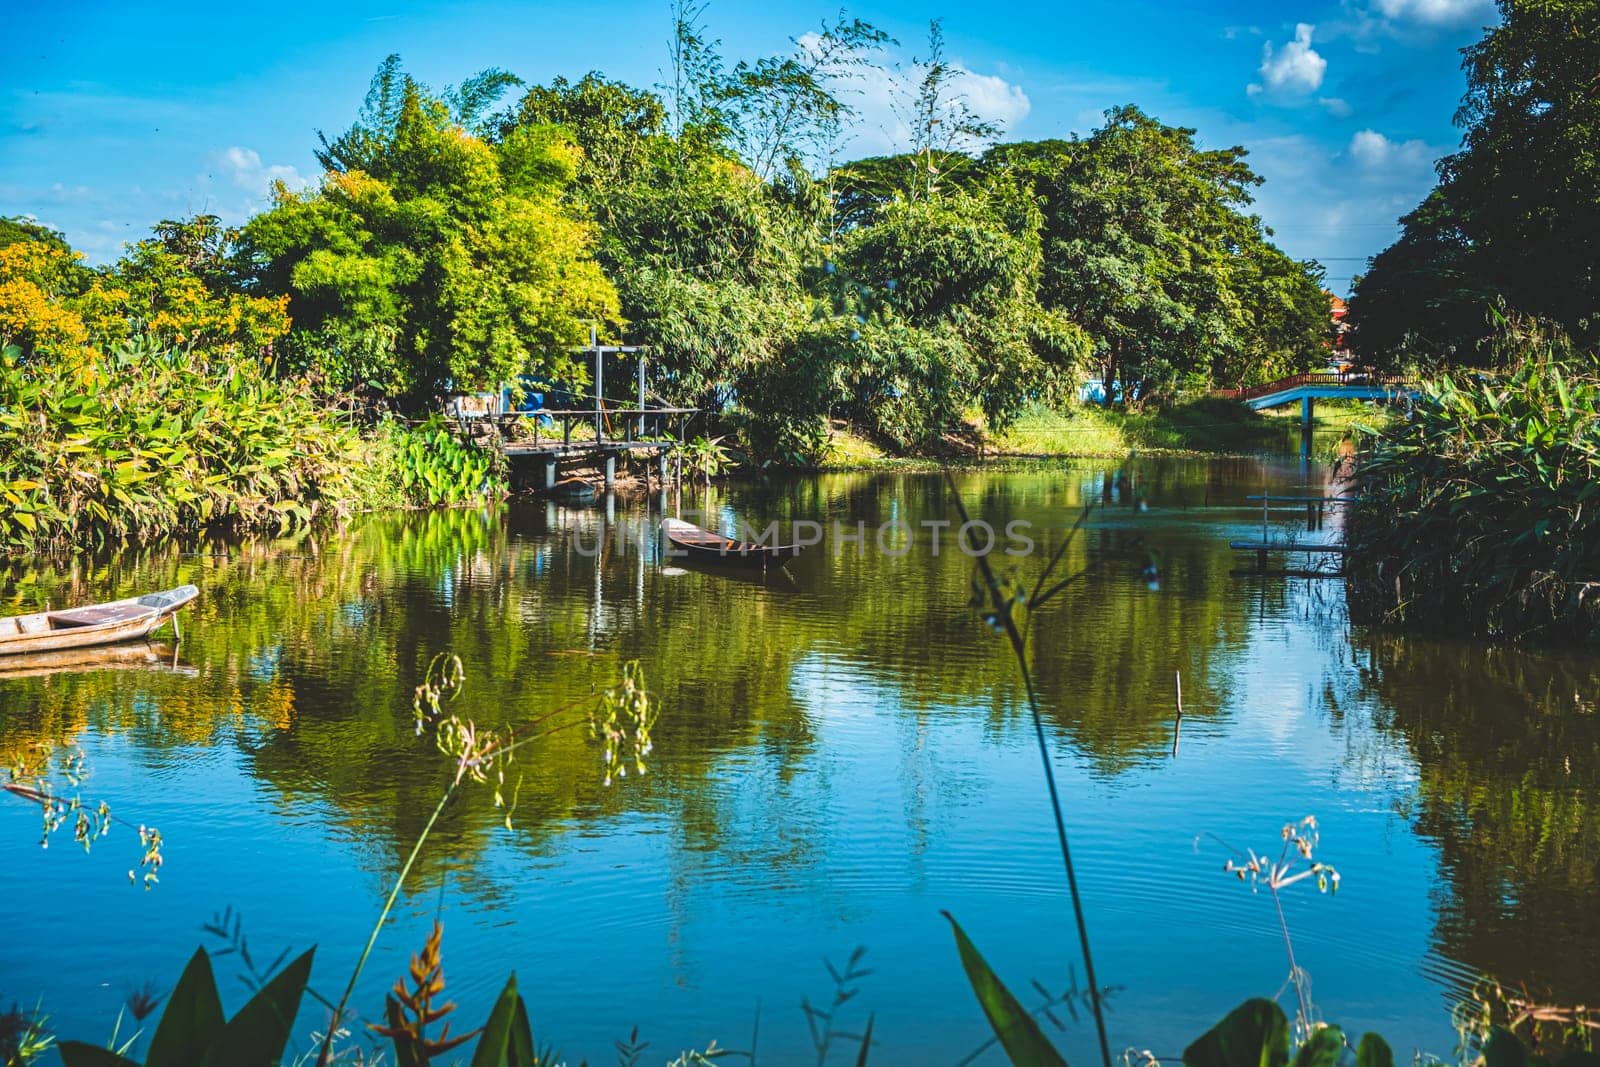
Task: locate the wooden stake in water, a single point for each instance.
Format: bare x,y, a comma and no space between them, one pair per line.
1177,726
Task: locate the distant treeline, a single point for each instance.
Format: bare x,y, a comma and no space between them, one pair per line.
462,238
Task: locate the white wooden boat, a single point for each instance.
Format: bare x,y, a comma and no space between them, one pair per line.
98,624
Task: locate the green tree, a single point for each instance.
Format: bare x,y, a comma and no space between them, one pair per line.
945,130
1515,209
619,128
1425,297
1147,247
787,109
944,292
430,259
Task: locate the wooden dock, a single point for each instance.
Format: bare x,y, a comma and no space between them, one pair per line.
1314,510
628,428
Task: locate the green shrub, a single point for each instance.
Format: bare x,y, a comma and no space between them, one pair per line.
434,467
145,441
1479,513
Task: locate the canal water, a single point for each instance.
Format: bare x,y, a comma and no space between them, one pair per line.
840,757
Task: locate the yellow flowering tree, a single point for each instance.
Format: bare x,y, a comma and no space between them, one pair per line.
179,287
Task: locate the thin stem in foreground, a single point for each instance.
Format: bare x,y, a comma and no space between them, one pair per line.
1019,647
326,1055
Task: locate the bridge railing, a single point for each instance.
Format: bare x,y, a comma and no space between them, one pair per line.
1350,377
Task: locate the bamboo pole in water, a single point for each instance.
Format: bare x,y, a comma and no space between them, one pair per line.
1177,726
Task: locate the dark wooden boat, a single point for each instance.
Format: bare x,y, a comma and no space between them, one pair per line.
98,624
695,544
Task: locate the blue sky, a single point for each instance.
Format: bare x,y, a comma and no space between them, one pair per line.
112,117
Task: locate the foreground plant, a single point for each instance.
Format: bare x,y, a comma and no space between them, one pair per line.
192,1030
1299,844
45,775
620,717
1011,606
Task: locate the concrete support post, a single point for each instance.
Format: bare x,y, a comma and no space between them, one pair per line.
611,471
1308,410
549,474
599,385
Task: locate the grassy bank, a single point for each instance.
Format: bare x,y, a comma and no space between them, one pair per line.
1203,427
1209,426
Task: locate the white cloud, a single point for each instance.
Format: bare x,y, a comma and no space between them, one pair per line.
1294,69
1373,151
992,97
1434,12
880,91
1336,106
247,171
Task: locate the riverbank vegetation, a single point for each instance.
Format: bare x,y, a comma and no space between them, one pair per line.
1208,426
1476,512
148,399
467,239
1474,515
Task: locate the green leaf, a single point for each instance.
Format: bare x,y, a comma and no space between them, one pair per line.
258,1033
1255,1034
79,1054
1019,1034
192,1021
507,1039
866,1045
1322,1049
1374,1051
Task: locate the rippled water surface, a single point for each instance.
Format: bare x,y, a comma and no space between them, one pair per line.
839,758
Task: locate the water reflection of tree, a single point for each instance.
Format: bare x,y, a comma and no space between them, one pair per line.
1507,744
309,650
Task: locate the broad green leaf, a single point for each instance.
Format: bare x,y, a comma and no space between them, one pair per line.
507,1039
1255,1034
79,1054
1374,1051
1019,1034
1322,1049
258,1033
192,1021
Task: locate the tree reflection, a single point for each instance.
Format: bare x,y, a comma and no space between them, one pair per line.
1507,744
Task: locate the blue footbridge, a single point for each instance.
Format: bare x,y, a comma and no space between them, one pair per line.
1307,389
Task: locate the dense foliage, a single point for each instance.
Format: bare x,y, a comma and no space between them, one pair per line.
179,287
1146,247
1513,217
1477,512
450,246
145,440
428,259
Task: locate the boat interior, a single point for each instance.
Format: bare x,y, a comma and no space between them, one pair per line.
45,622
